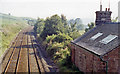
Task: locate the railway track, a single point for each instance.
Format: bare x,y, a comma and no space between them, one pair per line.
24,55
11,60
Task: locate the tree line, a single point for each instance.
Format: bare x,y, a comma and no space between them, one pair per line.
56,33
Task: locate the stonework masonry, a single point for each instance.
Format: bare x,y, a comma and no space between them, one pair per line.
89,62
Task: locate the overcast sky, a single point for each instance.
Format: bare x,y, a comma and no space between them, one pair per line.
84,9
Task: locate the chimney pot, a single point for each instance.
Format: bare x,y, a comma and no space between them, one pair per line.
106,9
100,7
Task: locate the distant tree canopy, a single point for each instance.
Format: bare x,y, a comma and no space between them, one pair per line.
9,14
90,26
31,22
78,22
115,19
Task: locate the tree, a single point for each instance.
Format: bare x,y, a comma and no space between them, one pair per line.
74,34
56,35
73,27
56,43
90,26
79,24
53,25
31,22
115,19
64,20
39,26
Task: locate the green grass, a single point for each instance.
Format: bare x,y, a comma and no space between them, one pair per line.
9,28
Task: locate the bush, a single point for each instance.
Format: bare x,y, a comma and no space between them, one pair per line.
62,38
59,38
53,48
50,38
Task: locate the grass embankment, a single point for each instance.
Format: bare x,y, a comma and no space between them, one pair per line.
10,27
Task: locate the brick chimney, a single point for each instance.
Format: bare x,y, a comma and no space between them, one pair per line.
103,16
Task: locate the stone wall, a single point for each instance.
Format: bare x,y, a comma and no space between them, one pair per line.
89,62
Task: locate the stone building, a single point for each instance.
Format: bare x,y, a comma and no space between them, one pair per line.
99,49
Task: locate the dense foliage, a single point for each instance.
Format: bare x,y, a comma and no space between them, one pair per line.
56,34
39,26
53,25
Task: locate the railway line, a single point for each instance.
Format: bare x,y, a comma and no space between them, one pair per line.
24,55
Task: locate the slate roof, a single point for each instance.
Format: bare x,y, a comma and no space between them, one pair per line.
96,46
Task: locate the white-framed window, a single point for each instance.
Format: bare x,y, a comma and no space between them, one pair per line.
108,39
96,36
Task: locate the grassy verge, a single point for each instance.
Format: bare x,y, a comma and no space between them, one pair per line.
8,30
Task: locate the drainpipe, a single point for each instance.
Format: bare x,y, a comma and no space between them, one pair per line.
74,54
106,64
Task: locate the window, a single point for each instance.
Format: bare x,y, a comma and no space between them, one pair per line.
108,39
103,19
96,36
